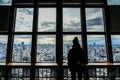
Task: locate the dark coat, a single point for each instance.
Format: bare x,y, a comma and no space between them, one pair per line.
76,58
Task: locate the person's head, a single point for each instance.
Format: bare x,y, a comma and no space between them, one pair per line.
76,43
75,40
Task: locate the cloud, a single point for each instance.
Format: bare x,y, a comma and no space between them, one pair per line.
71,20
94,19
99,39
24,19
72,26
46,39
95,25
67,39
3,38
47,26
115,39
22,38
71,14
47,19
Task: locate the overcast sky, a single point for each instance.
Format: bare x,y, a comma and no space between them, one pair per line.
47,20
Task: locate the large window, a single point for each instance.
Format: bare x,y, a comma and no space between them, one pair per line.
45,74
47,20
46,48
3,47
71,20
113,2
24,20
100,73
94,20
36,36
21,48
5,2
2,73
116,47
67,44
20,73
96,48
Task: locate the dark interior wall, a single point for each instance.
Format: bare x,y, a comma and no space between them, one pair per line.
4,18
115,18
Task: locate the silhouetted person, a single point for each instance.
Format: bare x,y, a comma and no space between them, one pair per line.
76,60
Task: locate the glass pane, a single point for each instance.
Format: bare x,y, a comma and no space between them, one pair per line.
20,74
96,48
67,45
5,2
67,74
71,20
46,48
3,47
2,73
24,20
116,47
98,72
99,78
116,72
45,74
113,2
47,20
22,48
4,18
94,20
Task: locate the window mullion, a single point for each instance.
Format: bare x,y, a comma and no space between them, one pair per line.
84,33
59,25
10,33
34,33
34,40
59,42
83,27
108,34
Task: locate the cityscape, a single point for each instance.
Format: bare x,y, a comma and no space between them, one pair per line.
47,52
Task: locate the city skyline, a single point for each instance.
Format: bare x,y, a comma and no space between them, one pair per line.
47,52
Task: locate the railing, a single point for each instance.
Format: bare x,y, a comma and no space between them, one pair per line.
93,72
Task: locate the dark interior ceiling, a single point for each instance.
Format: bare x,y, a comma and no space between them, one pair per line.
87,1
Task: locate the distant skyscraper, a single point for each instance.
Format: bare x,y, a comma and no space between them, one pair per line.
23,46
94,44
